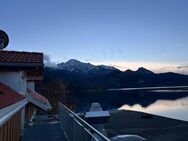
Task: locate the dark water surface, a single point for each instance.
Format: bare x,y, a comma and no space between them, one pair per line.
171,103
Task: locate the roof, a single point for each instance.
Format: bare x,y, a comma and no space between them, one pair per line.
30,62
38,100
20,58
37,96
8,96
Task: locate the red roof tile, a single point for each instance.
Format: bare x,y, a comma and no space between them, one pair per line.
8,96
20,57
37,96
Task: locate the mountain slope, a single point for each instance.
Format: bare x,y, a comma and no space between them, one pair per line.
75,66
84,68
104,79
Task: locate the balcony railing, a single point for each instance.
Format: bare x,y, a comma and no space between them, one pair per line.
8,112
76,129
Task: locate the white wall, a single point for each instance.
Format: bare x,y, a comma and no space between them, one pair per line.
31,85
15,80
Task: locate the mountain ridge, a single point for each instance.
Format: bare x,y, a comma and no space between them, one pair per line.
77,81
74,65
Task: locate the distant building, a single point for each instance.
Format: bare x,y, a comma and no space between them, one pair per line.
18,100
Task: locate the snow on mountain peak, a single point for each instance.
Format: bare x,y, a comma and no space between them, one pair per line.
74,65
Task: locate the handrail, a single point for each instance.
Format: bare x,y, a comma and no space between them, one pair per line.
85,124
12,111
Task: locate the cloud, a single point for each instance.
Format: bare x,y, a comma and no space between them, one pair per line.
48,62
177,69
46,58
120,67
182,67
156,67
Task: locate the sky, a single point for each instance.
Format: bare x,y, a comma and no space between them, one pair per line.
126,34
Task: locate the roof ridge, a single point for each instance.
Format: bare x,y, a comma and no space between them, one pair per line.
21,51
13,57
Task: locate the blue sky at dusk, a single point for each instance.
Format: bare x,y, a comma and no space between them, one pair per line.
122,33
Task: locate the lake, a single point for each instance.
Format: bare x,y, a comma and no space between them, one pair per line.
177,109
171,103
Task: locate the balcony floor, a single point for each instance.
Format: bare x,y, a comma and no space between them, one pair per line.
47,131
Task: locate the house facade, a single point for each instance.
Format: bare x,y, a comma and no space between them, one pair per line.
18,99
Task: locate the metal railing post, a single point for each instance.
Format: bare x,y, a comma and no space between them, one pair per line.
76,129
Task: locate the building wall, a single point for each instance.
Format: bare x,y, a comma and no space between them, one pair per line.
31,85
30,110
23,82
11,131
16,80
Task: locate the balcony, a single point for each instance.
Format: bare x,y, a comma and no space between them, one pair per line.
67,126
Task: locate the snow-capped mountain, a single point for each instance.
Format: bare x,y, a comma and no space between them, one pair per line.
74,65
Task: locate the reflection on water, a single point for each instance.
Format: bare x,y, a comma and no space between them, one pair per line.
166,102
177,109
169,91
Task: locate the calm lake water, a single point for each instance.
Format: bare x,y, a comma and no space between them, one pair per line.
177,109
171,103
